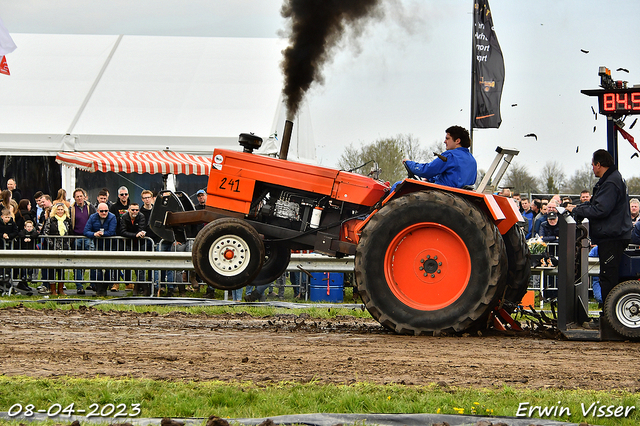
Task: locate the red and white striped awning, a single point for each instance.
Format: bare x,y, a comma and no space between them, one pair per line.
164,162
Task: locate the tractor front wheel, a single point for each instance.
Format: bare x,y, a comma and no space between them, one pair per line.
276,260
228,253
430,262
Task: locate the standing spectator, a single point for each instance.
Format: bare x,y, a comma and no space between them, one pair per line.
595,283
58,225
528,214
24,213
16,194
536,205
537,221
5,200
100,225
549,230
516,197
61,197
505,192
37,209
201,195
102,197
255,293
26,240
585,196
8,231
121,206
132,225
634,208
609,216
145,209
80,212
46,204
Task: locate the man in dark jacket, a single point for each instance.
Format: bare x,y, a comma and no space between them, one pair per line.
609,218
101,224
549,229
132,225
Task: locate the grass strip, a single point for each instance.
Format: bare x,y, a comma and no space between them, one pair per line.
237,400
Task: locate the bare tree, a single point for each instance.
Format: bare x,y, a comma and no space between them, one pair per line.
388,153
633,185
519,179
552,177
582,179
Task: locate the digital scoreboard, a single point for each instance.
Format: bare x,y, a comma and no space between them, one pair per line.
617,101
615,98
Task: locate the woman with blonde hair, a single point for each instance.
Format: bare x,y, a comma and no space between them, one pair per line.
58,226
61,198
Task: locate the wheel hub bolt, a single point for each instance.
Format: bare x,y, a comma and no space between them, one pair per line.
430,266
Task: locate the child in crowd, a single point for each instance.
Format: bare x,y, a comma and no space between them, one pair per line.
27,240
8,231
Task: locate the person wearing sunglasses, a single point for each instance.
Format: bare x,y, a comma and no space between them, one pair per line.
100,225
121,206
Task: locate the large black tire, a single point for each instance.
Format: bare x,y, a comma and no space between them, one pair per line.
519,270
276,260
228,253
430,262
622,309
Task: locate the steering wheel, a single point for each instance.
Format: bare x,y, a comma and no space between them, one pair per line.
410,174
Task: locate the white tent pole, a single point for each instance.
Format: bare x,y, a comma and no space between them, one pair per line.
68,180
93,86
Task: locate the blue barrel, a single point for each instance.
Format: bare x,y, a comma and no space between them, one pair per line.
326,287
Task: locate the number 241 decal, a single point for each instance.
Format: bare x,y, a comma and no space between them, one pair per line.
230,184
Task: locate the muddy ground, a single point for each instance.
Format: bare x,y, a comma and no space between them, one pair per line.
237,347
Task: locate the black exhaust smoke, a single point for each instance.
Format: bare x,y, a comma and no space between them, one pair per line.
316,28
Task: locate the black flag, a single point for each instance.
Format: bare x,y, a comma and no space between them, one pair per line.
488,70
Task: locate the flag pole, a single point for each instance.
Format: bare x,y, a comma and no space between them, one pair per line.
473,76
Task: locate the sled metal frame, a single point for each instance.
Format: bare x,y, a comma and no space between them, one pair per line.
573,286
505,154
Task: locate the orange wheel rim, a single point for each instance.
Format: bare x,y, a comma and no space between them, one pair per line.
427,266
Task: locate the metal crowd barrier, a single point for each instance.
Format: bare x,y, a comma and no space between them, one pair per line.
119,253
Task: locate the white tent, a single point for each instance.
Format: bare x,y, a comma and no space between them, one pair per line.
143,93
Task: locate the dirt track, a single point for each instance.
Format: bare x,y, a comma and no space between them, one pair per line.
87,342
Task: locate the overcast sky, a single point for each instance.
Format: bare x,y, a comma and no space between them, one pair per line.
410,72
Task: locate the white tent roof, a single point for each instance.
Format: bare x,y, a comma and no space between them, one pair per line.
143,93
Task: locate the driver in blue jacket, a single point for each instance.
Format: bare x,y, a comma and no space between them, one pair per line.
455,167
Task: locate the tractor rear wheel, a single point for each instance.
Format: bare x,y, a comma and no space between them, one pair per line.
276,260
519,270
430,262
228,253
622,309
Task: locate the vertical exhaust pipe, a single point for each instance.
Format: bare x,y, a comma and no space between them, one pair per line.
286,139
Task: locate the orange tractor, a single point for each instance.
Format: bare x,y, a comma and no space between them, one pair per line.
428,258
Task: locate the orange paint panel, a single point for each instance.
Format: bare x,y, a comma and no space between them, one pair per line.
275,171
511,213
230,186
228,204
358,189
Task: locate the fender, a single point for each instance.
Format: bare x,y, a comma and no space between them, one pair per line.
502,210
